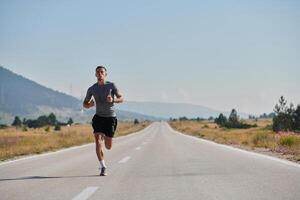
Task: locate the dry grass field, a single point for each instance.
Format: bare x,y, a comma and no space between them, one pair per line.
260,139
18,142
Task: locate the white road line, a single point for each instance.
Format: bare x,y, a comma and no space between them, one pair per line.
138,148
124,160
86,193
144,143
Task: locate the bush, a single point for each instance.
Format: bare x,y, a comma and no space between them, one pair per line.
57,127
239,125
17,122
205,126
232,122
3,126
47,129
43,120
221,120
261,139
70,121
136,121
289,141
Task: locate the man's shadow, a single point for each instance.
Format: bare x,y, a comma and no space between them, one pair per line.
44,177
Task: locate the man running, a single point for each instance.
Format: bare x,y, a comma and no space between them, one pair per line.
104,121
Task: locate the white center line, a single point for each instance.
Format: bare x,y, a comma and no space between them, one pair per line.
138,148
86,193
124,160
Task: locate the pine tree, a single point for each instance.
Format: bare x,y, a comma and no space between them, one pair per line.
283,119
17,122
52,119
70,121
136,121
221,120
297,119
233,118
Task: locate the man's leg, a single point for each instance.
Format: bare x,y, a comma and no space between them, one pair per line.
99,150
111,128
108,142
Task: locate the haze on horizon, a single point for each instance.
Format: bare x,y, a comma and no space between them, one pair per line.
219,54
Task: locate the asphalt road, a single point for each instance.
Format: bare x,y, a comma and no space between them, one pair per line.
156,163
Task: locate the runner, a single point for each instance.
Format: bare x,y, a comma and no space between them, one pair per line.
104,122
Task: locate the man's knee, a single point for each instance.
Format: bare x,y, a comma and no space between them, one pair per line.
108,146
108,143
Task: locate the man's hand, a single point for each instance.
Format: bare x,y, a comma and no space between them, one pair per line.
88,104
91,103
109,99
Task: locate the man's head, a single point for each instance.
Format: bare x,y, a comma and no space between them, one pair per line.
101,73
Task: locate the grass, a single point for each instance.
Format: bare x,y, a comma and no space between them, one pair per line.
19,142
262,136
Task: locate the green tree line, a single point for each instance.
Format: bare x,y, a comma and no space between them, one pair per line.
41,121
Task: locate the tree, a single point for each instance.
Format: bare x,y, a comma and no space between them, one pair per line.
283,120
57,127
42,120
233,118
52,119
17,122
221,120
211,118
296,119
70,121
24,121
136,121
184,118
281,107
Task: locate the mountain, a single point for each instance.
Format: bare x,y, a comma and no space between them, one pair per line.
25,98
174,110
22,96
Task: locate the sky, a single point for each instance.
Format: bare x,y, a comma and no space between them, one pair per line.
219,54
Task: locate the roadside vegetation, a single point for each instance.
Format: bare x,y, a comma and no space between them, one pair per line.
21,140
278,135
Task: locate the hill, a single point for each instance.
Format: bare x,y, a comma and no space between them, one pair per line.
174,110
26,98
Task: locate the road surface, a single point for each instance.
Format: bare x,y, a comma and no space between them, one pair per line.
156,163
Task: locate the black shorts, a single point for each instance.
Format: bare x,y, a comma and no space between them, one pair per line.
106,125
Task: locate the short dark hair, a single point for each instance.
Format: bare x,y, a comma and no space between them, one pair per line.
101,66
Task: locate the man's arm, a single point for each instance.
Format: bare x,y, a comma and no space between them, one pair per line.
116,97
88,103
119,98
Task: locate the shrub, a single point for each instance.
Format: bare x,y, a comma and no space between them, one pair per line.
136,121
3,126
17,122
221,120
47,129
70,121
57,127
289,141
261,139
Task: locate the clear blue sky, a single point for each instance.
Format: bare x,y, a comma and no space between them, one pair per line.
220,54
